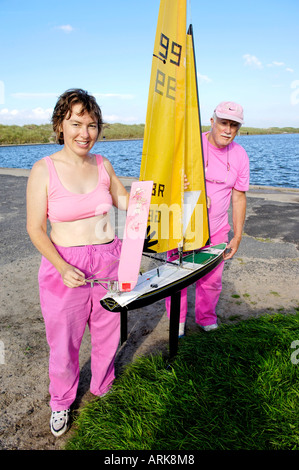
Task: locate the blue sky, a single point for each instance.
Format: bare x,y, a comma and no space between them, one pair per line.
245,51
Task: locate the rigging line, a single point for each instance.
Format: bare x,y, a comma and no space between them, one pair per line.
149,278
113,262
154,258
91,279
163,60
97,281
173,263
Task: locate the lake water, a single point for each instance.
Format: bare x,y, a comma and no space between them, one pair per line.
274,159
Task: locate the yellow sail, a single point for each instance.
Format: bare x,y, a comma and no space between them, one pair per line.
172,140
196,226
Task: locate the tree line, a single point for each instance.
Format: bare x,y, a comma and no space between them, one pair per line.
43,134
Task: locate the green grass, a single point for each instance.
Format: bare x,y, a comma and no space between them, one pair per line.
122,131
234,388
28,134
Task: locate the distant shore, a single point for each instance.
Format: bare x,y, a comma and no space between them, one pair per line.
55,143
127,181
43,134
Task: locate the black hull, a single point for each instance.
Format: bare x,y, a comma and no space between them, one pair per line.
154,295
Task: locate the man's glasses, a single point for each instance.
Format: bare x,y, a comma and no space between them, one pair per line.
227,166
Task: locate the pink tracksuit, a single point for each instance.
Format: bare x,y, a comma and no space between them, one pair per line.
227,169
66,312
208,290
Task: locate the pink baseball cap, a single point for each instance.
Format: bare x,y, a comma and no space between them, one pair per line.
230,110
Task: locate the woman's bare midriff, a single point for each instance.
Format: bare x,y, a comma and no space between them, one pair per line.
91,231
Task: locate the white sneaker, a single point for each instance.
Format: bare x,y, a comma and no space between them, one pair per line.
214,326
59,422
181,329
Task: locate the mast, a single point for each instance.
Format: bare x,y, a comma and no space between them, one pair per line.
190,33
196,226
172,144
164,136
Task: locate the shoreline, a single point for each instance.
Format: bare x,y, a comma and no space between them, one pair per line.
128,179
28,144
250,131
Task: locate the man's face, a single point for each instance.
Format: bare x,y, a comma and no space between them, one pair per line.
223,132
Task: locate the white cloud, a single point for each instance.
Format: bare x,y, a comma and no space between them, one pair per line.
66,28
41,113
6,112
25,116
276,64
8,116
203,78
252,61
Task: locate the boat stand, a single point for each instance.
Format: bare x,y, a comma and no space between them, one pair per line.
123,325
174,292
173,324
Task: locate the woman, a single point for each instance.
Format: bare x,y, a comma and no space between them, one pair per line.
75,189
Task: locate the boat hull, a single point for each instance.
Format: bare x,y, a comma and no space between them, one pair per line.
171,278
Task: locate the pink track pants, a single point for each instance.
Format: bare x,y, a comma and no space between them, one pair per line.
207,291
66,312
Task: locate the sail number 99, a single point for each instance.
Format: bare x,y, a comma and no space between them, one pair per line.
166,84
176,50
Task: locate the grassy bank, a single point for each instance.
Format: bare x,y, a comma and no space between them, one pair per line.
43,134
234,388
33,134
29,134
268,131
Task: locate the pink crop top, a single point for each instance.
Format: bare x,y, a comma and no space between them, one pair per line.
65,206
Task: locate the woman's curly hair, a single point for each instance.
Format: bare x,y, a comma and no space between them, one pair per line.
64,105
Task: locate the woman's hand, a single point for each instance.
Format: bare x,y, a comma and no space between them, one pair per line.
186,182
72,277
186,185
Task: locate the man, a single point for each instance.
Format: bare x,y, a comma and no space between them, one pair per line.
227,180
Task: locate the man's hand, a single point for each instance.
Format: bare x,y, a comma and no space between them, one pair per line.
231,248
239,211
